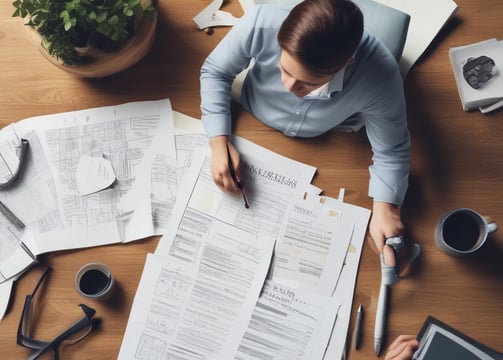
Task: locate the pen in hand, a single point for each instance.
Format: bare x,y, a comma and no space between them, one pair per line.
234,177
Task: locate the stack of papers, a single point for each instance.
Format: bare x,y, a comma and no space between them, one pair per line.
274,280
213,288
78,170
486,91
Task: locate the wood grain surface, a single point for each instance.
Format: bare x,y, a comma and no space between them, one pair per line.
457,161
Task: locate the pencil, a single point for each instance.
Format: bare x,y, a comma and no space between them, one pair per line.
10,216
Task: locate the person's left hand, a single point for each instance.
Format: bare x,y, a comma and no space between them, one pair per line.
384,223
402,348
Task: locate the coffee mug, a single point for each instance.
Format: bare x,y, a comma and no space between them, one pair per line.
462,232
94,281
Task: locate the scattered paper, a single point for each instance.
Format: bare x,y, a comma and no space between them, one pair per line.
211,16
94,174
5,290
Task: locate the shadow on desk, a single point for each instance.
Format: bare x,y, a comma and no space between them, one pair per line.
488,260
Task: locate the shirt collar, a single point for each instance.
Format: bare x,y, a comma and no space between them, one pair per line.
335,84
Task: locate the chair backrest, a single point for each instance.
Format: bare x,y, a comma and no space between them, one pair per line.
387,24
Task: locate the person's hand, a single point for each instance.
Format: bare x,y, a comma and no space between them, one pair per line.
220,164
384,223
402,348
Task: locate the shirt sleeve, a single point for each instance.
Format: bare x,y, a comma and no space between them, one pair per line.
229,58
387,131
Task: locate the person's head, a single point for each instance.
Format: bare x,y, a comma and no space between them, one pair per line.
317,39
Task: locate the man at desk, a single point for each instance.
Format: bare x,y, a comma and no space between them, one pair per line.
314,69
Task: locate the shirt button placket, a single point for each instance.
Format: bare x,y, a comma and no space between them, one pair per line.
295,121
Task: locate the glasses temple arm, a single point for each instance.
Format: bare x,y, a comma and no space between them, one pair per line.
82,323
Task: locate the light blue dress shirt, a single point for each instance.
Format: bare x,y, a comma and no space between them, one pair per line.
368,92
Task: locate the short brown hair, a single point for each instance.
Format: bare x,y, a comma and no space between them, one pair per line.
322,34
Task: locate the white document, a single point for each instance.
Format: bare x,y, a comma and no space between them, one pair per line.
196,301
46,197
311,247
212,16
345,288
122,134
427,18
148,206
271,181
94,174
288,324
5,290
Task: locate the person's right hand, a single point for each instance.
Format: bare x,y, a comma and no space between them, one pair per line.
220,164
402,348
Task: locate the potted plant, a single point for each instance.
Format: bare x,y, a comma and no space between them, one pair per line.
91,38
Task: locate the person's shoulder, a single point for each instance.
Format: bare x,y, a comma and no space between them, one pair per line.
374,57
370,46
270,15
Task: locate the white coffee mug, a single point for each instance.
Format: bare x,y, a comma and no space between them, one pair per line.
462,231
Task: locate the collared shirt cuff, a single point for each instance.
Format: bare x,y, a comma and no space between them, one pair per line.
382,192
216,125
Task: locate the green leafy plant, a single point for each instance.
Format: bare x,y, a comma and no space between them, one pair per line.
68,25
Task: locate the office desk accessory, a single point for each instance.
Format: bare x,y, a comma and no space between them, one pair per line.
94,281
73,334
462,231
12,180
476,88
23,152
389,276
11,216
357,337
438,340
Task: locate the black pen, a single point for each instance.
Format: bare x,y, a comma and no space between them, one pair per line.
234,177
358,327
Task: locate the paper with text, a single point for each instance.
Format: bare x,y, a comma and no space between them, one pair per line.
288,324
195,302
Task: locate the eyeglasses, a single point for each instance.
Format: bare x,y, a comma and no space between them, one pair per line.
73,334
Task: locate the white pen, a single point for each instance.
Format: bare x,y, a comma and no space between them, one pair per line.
380,323
389,276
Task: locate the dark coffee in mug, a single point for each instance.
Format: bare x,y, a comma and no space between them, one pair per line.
94,282
463,231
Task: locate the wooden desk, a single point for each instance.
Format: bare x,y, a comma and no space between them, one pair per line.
457,161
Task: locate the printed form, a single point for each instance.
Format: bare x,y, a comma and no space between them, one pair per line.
203,215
